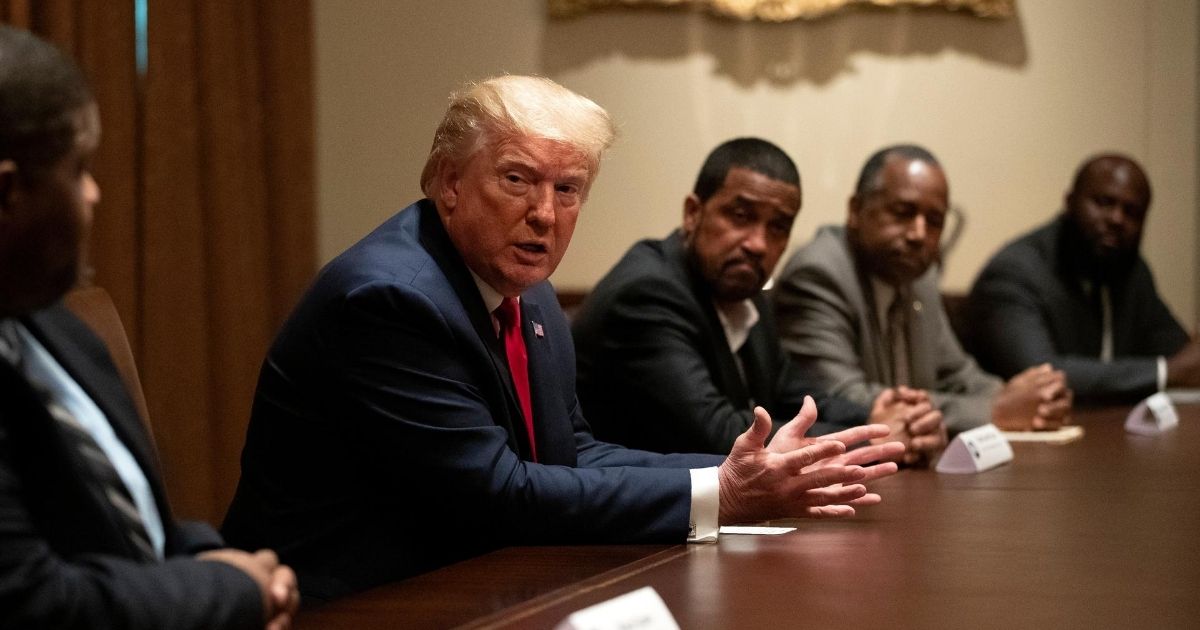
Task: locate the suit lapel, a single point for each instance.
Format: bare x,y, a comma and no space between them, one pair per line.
922,325
555,440
434,239
86,359
726,375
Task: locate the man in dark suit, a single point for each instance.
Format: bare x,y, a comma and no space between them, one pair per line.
86,536
419,406
859,306
1076,293
681,327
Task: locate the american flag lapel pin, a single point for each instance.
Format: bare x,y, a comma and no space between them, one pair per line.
538,331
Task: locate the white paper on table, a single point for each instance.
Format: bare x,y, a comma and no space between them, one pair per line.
1184,396
755,530
1061,435
642,609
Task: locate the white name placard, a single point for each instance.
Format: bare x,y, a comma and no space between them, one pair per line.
977,450
642,609
1152,416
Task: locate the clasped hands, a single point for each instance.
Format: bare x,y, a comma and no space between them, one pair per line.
800,477
913,421
1037,398
276,582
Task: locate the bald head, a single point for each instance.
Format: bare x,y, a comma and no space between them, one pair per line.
1107,204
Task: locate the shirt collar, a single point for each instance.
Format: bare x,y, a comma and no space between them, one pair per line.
491,299
737,319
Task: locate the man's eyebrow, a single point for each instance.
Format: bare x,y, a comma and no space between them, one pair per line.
515,161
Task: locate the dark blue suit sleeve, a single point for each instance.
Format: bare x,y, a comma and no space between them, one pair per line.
411,394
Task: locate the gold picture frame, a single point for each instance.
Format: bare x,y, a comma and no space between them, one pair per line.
783,10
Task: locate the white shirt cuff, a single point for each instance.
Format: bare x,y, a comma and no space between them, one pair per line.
706,506
1162,374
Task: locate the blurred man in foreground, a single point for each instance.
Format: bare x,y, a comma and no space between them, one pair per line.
86,536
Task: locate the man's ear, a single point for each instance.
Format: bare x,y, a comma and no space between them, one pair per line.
8,183
691,213
449,180
853,209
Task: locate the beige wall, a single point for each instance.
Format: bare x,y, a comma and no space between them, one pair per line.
1010,107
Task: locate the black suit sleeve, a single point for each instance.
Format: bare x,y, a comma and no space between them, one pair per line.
836,413
193,537
41,589
1012,333
647,346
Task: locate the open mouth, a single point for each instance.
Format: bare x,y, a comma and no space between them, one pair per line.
531,253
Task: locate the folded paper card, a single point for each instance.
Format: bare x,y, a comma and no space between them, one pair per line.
977,450
1152,416
642,609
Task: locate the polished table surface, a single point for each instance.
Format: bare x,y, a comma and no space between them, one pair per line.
1102,532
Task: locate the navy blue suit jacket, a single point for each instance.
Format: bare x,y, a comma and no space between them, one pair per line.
386,439
64,559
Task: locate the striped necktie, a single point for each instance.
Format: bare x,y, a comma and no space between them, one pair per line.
104,477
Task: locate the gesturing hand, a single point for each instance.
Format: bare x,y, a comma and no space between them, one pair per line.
798,476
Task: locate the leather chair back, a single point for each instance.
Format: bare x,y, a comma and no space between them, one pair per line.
95,308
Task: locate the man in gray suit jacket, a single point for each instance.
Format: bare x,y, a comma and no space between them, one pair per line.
859,307
1077,294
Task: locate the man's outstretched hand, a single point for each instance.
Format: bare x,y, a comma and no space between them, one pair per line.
803,477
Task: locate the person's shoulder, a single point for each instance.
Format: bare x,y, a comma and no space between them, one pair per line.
1031,249
824,260
827,249
649,266
392,253
649,282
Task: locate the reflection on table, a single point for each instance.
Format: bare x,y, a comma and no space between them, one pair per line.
1101,532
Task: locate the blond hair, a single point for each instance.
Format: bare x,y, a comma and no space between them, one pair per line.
514,106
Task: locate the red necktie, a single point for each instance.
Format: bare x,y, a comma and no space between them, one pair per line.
509,316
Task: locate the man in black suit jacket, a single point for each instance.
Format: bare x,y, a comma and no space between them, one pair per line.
680,326
86,535
419,406
1076,293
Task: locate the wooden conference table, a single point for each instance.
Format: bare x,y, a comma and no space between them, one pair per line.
1102,532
